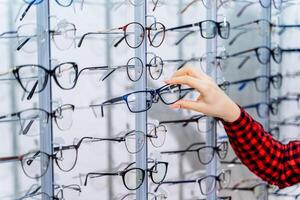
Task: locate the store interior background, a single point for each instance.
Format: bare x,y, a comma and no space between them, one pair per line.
104,156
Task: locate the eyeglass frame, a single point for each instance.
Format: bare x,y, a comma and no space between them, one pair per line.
51,115
155,94
216,150
128,169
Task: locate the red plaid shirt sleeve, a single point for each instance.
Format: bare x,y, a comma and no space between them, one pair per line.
276,163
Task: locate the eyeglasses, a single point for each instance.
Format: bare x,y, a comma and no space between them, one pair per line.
262,53
151,196
134,33
207,184
260,23
205,153
208,29
168,94
32,164
63,36
30,119
64,192
262,83
63,3
263,109
134,177
34,78
265,4
200,120
135,68
157,134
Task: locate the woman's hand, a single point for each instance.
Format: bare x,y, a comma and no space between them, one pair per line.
212,101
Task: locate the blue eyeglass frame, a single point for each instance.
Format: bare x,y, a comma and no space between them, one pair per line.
155,95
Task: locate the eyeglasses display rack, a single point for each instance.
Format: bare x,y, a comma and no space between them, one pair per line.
85,110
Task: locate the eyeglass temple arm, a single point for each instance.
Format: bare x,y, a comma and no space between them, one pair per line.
27,9
173,183
75,187
97,175
181,27
23,43
104,67
9,159
177,152
188,6
104,32
239,14
32,91
232,41
183,37
119,41
109,102
2,73
241,53
244,61
8,32
290,50
246,24
108,74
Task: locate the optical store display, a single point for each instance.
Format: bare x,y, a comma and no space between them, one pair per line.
85,110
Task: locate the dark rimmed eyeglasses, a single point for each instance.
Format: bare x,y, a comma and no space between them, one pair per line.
133,177
209,29
262,83
30,119
263,109
155,33
168,94
207,184
262,53
260,23
205,153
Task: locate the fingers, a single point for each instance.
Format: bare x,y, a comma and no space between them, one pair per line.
197,84
191,71
197,106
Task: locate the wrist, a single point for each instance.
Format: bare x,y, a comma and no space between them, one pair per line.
233,112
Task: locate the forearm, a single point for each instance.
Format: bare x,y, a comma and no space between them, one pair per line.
267,158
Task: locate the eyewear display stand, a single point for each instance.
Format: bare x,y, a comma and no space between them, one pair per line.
211,69
45,97
140,16
109,96
266,71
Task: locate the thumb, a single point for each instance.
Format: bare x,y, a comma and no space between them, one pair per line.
198,106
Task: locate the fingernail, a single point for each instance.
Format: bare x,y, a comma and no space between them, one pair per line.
175,106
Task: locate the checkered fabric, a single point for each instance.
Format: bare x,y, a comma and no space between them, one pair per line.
276,163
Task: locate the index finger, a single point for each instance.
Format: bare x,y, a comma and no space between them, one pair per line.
191,71
199,85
